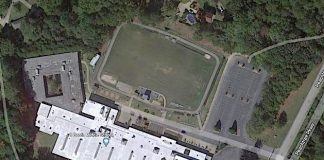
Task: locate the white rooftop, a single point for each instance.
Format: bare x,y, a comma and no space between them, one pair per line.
76,142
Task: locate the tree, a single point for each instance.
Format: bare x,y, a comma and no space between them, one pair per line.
169,9
4,5
51,7
282,118
12,79
218,126
247,155
258,143
116,14
83,6
233,129
18,135
45,153
6,47
14,35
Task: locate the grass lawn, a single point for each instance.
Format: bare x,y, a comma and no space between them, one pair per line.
205,108
291,106
53,85
145,108
44,140
140,57
183,118
18,10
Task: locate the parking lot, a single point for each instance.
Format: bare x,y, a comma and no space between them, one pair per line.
240,88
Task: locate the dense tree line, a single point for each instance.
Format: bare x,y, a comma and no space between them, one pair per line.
19,136
155,11
288,66
4,5
72,25
247,155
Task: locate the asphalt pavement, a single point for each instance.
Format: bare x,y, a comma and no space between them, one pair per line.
238,92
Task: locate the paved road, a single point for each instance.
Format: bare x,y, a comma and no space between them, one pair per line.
284,43
197,133
294,129
316,117
5,20
24,2
4,105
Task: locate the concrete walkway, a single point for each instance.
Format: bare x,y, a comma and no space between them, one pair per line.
4,105
28,5
88,76
5,20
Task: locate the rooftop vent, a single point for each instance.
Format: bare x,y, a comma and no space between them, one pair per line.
156,150
124,141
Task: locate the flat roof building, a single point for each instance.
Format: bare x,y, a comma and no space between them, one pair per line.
100,138
55,79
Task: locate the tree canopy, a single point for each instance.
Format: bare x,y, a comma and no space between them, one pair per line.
4,5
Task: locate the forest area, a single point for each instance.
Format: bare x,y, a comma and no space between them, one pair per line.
58,26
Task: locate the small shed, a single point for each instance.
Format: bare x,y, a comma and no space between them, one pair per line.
94,60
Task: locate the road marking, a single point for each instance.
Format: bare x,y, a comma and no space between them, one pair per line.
305,139
320,80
